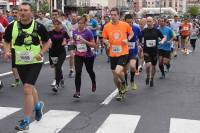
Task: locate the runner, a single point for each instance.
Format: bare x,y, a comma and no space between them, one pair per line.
115,37
194,35
26,35
133,50
185,33
14,69
57,51
71,47
175,25
84,41
164,50
150,39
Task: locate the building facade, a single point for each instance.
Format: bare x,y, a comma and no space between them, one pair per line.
177,5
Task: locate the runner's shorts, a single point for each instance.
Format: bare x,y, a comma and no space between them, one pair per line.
121,60
164,53
151,57
29,73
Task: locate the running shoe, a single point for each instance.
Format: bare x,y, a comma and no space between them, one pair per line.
147,81
71,74
162,76
53,83
1,84
151,83
77,95
62,83
55,88
16,84
23,125
119,96
124,88
133,86
39,110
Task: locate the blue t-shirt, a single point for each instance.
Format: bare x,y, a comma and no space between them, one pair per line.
133,47
93,23
168,33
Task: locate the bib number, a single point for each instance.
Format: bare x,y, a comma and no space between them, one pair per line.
151,43
185,28
131,45
81,48
25,56
54,60
116,49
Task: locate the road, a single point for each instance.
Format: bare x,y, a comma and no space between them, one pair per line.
171,106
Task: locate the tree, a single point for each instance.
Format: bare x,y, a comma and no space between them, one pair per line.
44,6
193,11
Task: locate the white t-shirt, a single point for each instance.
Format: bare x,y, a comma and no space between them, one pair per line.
175,27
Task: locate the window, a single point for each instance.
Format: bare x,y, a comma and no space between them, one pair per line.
170,4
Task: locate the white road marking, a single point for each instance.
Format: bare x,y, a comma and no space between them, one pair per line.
119,123
52,122
6,111
110,97
5,74
184,126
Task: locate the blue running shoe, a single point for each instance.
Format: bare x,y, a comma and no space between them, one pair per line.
23,125
39,110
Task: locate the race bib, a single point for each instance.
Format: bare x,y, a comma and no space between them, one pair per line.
116,49
151,43
25,56
185,28
131,45
54,60
81,48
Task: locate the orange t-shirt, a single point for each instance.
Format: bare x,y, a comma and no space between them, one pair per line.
185,29
116,33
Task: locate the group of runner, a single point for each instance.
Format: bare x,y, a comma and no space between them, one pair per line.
129,46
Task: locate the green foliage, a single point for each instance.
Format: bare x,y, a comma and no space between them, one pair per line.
44,6
193,11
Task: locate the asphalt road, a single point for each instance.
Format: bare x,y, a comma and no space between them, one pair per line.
171,106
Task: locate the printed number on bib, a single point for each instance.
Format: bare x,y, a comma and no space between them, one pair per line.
54,60
81,48
25,56
116,49
185,28
131,45
151,43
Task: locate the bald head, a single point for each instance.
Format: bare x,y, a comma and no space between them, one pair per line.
150,22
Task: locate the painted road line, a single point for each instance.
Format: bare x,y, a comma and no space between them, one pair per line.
119,123
110,97
184,126
6,111
5,74
52,122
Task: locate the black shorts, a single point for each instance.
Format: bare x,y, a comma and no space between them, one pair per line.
164,53
151,57
13,58
29,73
71,47
121,60
132,57
177,38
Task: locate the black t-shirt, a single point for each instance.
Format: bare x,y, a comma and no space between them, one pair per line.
57,38
41,30
150,39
